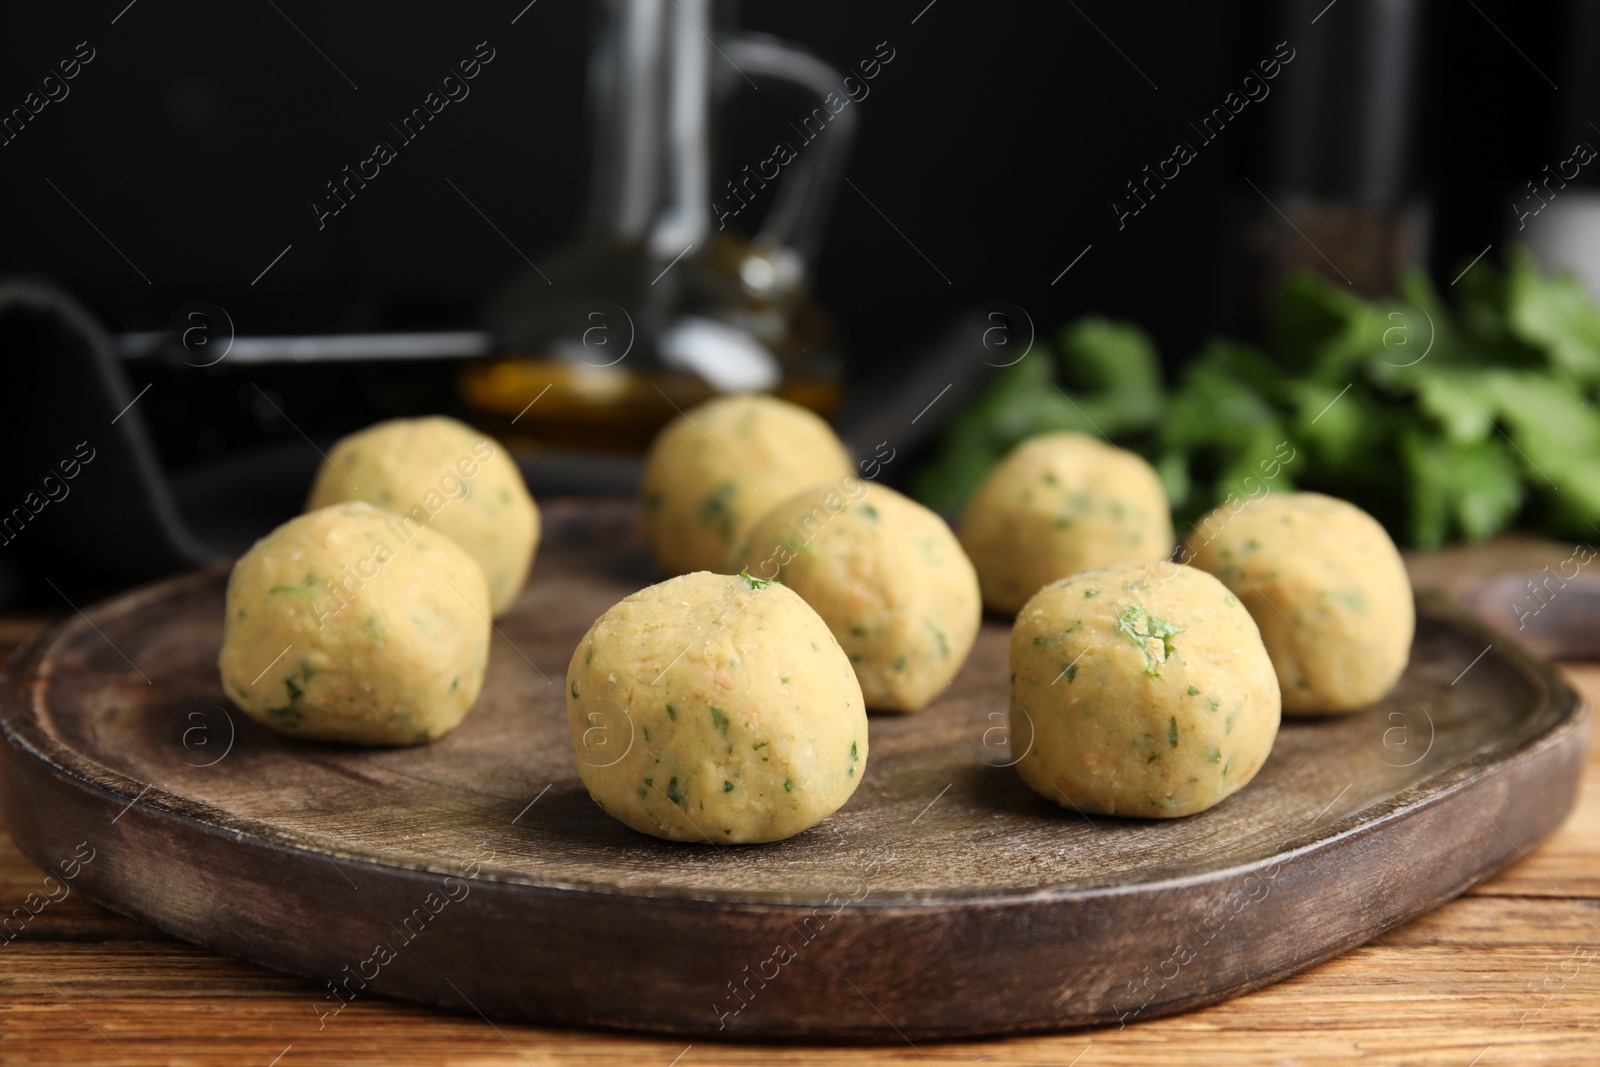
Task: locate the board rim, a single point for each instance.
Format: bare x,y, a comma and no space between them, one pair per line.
37,761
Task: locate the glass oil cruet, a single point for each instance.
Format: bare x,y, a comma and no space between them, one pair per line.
660,303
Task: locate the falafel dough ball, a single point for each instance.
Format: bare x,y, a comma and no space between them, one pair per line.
443,474
1140,690
341,626
717,468
1328,589
1059,503
887,576
711,707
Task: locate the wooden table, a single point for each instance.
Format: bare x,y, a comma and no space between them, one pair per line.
1507,974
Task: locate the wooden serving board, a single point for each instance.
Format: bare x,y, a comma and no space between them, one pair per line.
944,900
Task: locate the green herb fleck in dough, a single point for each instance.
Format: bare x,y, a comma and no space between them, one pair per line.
1213,703
649,781
944,645
574,689
1088,593
815,647
589,656
455,684
242,615
719,720
715,510
869,511
1141,627
294,691
1354,600
858,631
727,787
1072,672
1226,767
900,664
853,756
1172,732
1216,754
758,746
1152,757
646,733
301,591
1193,691
788,785
672,713
673,794
755,583
785,679
1049,478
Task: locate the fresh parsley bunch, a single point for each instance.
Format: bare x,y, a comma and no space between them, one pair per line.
1443,422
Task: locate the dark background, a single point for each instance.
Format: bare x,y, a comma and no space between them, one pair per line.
994,142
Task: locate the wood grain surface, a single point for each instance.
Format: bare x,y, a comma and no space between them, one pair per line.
1505,975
